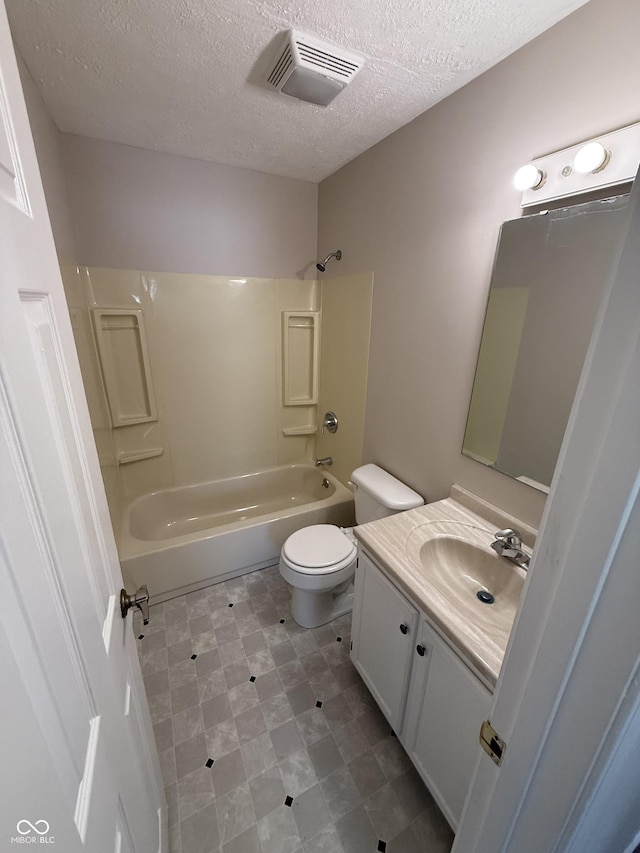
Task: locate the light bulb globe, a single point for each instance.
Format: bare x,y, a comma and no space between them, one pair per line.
591,158
528,177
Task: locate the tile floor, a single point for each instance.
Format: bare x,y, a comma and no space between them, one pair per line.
269,741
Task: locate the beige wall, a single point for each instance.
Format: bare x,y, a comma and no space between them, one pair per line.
137,209
344,360
423,210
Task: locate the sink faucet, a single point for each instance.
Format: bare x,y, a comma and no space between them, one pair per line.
325,461
508,543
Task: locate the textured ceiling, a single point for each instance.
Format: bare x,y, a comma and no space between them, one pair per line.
184,76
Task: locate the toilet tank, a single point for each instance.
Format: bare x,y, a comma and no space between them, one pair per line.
379,494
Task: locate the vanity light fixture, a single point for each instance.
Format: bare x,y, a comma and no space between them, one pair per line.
591,158
528,177
606,162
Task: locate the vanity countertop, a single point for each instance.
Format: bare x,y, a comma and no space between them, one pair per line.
483,645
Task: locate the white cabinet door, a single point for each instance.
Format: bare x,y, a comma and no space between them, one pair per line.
445,709
384,629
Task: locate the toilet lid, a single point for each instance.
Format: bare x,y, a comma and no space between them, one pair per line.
318,546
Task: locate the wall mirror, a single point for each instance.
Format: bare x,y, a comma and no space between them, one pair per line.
548,279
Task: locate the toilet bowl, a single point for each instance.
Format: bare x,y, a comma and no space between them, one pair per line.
319,562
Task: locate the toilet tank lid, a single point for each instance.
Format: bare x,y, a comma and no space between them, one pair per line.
385,488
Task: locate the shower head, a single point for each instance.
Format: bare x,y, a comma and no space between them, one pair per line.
322,265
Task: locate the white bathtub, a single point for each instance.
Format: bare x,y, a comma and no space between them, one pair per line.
181,539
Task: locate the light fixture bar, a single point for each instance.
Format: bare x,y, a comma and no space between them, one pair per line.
562,179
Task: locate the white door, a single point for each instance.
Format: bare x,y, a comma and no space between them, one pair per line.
79,770
567,702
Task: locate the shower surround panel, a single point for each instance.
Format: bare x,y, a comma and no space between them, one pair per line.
216,367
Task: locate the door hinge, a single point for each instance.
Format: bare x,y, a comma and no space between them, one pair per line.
492,743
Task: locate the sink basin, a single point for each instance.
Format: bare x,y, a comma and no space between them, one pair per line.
458,561
467,567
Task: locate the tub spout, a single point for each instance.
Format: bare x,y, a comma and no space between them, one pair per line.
325,461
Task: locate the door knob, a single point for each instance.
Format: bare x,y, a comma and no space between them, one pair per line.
139,599
404,629
421,650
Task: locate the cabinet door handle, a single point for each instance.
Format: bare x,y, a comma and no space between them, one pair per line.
404,629
421,651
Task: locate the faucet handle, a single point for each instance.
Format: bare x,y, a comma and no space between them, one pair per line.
330,422
511,538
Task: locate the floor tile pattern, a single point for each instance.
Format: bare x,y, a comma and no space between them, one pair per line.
269,741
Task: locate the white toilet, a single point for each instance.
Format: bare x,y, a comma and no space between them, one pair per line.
319,561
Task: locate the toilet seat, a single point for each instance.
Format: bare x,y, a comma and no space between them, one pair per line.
318,550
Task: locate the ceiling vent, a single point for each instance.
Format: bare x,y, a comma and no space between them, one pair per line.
312,70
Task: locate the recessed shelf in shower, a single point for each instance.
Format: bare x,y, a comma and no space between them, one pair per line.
300,353
124,361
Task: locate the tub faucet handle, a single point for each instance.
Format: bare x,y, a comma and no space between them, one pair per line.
139,599
330,422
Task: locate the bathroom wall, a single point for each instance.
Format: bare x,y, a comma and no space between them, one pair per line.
138,209
423,209
214,347
346,320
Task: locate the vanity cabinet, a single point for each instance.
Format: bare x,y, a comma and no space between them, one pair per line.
383,636
446,706
432,699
